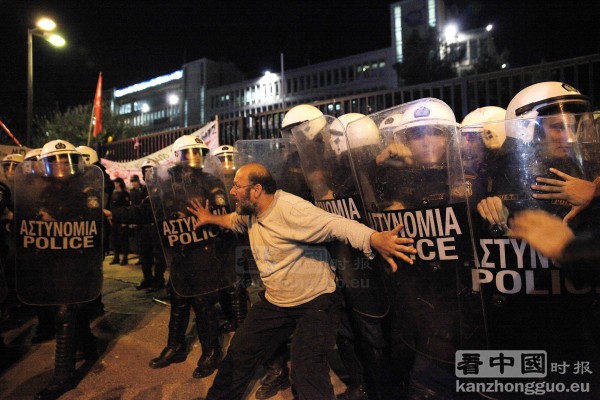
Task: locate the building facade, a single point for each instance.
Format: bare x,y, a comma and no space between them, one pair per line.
204,89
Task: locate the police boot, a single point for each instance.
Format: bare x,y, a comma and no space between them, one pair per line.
64,364
45,329
176,350
208,362
157,284
115,260
88,342
377,376
207,326
144,284
276,379
124,260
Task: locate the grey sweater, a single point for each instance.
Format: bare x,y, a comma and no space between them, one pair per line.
282,239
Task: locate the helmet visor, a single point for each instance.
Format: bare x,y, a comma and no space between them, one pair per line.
228,161
60,165
421,132
192,157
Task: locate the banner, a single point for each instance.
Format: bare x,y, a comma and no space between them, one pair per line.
209,133
7,149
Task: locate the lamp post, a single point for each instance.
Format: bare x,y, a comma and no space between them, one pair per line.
42,29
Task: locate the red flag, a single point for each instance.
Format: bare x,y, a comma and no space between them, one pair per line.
98,107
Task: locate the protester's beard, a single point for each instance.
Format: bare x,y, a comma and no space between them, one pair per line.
246,207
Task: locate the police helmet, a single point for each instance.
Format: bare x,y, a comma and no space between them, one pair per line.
359,127
427,116
10,162
60,158
33,155
89,155
389,124
300,114
227,155
190,150
148,163
539,100
488,123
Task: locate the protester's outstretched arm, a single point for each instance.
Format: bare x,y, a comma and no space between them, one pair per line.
390,245
206,217
545,232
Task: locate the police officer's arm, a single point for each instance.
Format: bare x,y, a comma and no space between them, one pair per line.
395,155
492,210
206,217
578,192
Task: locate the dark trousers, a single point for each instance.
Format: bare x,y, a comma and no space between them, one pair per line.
314,326
120,238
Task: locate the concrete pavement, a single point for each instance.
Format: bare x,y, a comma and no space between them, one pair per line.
132,331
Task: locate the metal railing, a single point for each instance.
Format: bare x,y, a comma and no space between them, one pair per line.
462,94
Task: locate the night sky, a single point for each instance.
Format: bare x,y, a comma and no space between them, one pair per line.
134,40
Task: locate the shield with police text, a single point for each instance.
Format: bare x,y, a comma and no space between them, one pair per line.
545,163
58,233
411,174
325,159
200,259
281,158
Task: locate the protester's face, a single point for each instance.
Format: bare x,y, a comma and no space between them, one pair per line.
559,133
242,192
427,144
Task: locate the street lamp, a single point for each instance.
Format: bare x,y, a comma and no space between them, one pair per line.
42,29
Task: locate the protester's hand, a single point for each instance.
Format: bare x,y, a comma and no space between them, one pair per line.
395,155
390,245
201,212
492,210
579,193
545,232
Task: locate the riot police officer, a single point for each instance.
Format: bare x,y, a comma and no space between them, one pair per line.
150,248
200,261
433,315
61,265
548,162
544,123
361,344
234,300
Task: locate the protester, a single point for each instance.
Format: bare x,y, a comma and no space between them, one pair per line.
300,294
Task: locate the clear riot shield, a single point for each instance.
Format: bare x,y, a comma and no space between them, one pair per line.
281,158
58,229
530,302
323,151
200,260
244,262
413,176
